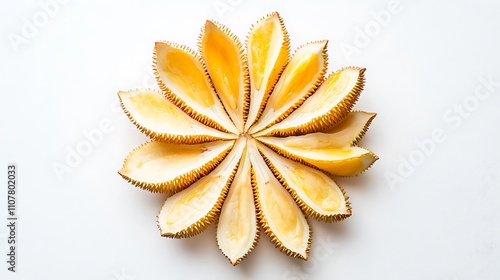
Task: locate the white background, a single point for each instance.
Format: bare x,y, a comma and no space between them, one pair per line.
439,220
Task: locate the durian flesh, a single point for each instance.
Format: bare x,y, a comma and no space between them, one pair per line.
248,138
190,211
161,167
237,230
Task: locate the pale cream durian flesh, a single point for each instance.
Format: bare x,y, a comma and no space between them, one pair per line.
248,138
237,230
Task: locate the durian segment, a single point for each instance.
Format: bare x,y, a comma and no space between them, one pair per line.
301,77
315,192
268,47
159,119
183,78
338,161
279,215
227,67
191,210
346,133
351,128
328,105
165,167
237,231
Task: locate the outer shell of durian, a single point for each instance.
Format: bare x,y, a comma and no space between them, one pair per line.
159,119
162,167
191,210
278,213
237,231
315,192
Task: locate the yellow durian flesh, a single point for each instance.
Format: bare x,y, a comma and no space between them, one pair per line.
352,161
302,75
344,134
267,50
315,192
279,215
182,76
339,161
227,68
158,118
162,167
331,102
191,210
237,231
247,139
180,71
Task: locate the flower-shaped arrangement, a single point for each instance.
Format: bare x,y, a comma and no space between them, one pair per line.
248,138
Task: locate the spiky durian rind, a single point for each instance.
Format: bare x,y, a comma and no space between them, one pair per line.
203,223
170,138
178,101
279,66
267,229
333,116
179,183
245,86
303,205
239,260
375,158
365,128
